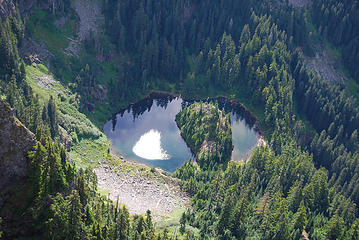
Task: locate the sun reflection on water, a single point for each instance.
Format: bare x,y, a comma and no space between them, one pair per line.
149,146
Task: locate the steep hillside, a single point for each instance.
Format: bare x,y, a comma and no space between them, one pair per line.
41,98
15,141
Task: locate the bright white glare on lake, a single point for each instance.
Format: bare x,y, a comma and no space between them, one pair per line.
149,146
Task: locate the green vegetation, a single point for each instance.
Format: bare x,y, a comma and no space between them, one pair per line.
337,54
89,145
58,201
75,212
247,200
336,21
304,183
207,131
173,225
353,87
40,26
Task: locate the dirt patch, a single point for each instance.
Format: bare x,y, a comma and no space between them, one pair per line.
139,192
325,66
46,82
299,3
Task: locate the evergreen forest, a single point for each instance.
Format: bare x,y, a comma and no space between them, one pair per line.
66,66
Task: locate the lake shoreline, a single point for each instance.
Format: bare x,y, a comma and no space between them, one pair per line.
163,94
164,99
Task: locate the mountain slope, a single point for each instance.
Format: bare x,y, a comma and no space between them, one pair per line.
15,141
303,183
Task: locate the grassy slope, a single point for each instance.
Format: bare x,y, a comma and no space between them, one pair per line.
41,27
88,150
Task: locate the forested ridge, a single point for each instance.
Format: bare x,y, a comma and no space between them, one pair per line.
160,36
303,184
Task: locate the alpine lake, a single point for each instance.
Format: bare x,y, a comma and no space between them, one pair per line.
146,132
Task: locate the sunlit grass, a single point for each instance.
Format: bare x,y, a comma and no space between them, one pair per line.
103,192
89,150
171,223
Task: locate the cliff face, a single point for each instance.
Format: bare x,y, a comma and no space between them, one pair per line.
6,8
9,6
15,141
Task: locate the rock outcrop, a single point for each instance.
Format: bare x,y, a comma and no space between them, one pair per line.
15,141
7,7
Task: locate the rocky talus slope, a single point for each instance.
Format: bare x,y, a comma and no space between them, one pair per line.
159,193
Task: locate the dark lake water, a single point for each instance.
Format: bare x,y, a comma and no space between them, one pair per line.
146,132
